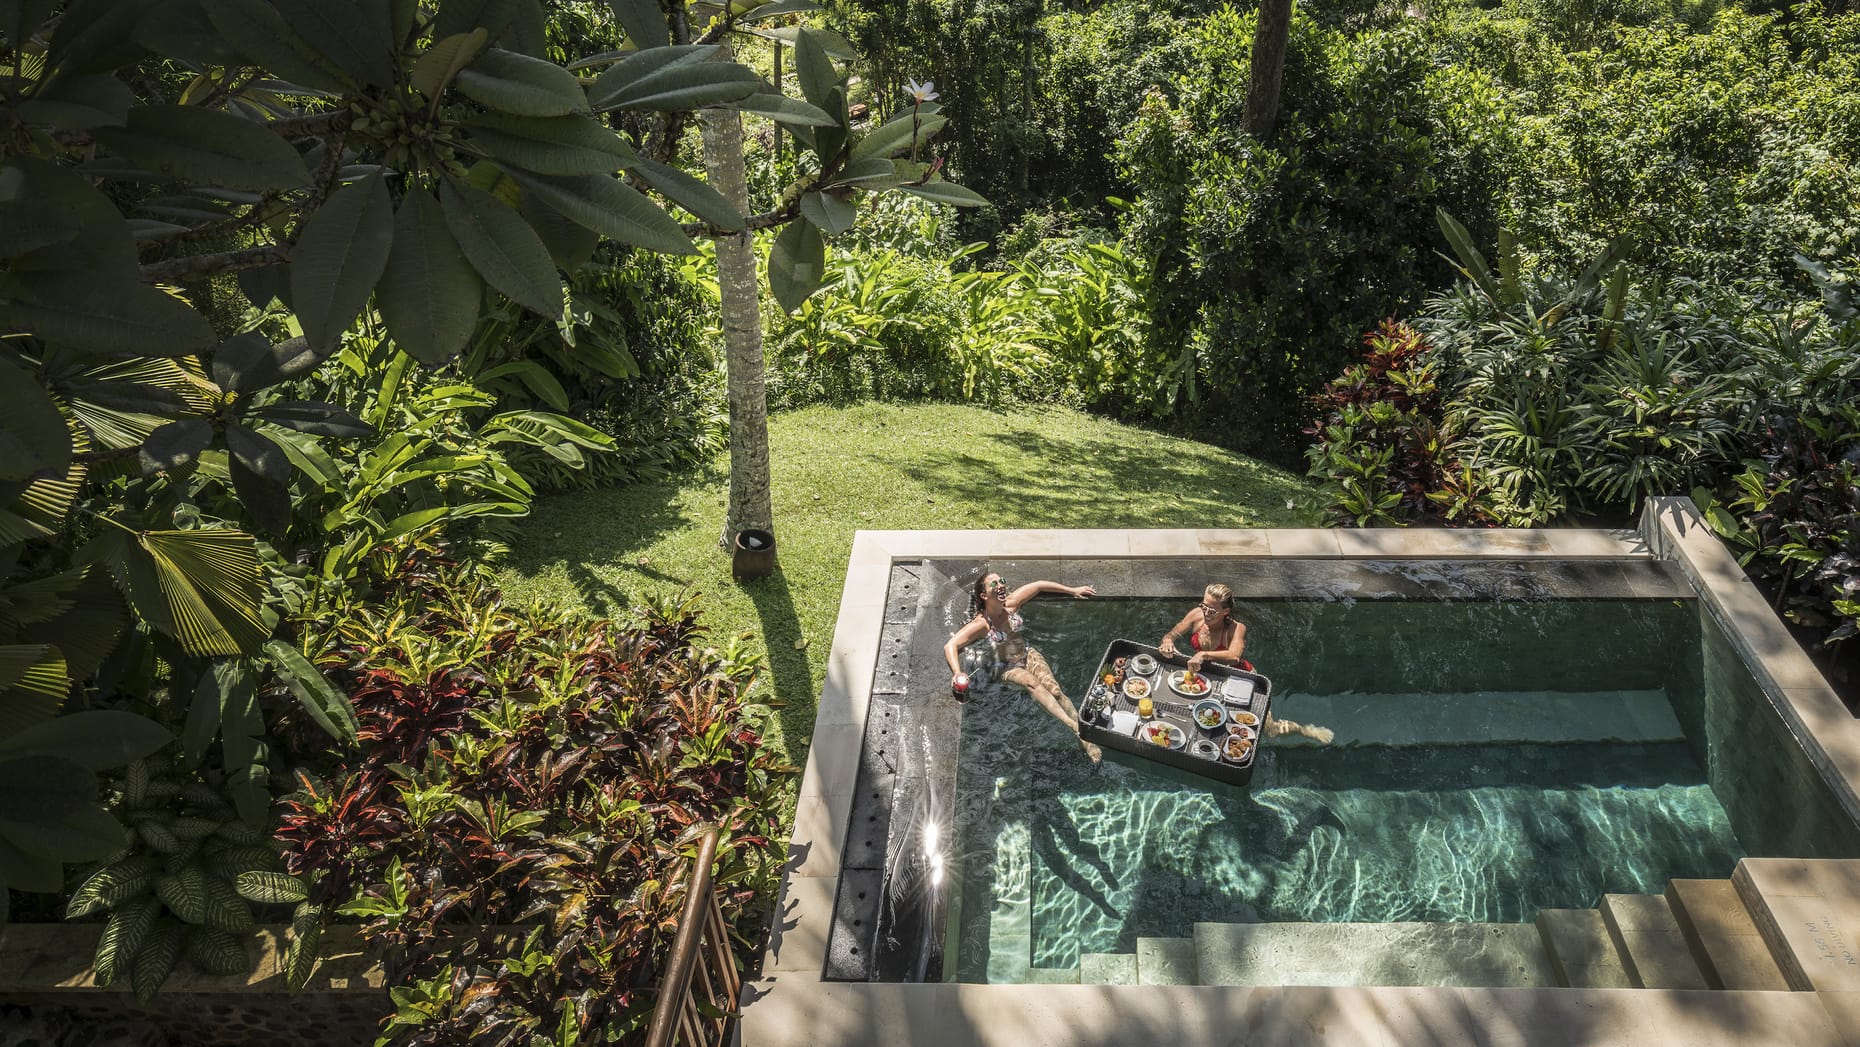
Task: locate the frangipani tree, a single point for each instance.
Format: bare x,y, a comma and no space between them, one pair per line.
394,161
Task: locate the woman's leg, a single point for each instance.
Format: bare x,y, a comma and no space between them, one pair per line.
1276,728
1037,677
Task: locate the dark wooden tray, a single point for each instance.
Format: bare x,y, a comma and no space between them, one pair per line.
1174,709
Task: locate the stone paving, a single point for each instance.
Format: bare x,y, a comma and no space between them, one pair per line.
1814,906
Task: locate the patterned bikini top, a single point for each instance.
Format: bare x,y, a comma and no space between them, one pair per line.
1015,625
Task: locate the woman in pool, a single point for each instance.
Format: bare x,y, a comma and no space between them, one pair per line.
1215,636
998,619
1211,631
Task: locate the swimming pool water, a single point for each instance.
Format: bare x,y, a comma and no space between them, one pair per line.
1494,759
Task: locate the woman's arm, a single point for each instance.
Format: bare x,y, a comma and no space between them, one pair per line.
959,639
1229,655
1033,589
1182,628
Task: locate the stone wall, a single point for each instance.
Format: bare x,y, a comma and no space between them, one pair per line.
47,968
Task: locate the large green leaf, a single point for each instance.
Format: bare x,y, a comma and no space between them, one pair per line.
156,960
648,81
39,510
217,951
270,888
559,145
97,739
201,587
462,16
897,135
692,194
112,885
123,936
569,244
611,208
339,257
181,29
357,36
243,750
644,22
947,193
192,144
261,476
26,226
261,33
818,77
791,112
93,36
86,835
872,172
502,247
24,870
644,65
429,293
316,417
106,317
33,684
175,445
520,84
835,45
300,958
35,438
436,68
797,263
103,251
1472,263
762,12
40,788
831,213
326,705
86,628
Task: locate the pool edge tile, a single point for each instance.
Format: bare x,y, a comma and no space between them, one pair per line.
833,760
1303,542
802,923
820,827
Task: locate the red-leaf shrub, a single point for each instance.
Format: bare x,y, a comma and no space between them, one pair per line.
520,767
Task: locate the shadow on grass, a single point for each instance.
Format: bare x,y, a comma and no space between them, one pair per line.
1106,480
788,669
581,532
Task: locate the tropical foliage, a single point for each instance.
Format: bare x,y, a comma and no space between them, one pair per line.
520,767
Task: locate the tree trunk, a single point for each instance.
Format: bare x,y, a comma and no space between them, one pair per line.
722,131
1262,90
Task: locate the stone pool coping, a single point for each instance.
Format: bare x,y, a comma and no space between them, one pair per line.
790,1003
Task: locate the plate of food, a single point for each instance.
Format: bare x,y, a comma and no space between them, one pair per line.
1136,688
1244,718
1210,714
1239,748
1188,684
1167,735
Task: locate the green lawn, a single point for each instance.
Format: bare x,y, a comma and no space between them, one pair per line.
878,466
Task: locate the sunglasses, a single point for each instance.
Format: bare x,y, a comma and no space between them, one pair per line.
1205,609
1000,586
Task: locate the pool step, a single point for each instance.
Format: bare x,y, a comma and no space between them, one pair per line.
1653,948
1722,936
1582,953
1539,717
1166,961
1487,955
1108,968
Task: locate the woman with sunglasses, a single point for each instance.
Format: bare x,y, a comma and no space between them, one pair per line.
1214,636
1211,631
998,618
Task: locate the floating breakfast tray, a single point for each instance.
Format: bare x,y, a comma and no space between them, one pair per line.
1108,716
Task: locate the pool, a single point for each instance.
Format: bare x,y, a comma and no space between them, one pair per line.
1510,738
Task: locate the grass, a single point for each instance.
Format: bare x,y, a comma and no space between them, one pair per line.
877,466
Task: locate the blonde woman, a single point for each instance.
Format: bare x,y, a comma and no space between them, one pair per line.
1212,633
998,618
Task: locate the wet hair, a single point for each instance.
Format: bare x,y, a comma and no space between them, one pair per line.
1222,595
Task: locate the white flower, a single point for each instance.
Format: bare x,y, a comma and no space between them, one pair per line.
921,93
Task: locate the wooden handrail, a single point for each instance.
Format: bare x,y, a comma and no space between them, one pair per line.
701,924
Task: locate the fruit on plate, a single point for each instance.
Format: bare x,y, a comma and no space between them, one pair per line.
1161,734
1208,716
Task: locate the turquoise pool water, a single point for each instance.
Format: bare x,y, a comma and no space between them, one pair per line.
1492,759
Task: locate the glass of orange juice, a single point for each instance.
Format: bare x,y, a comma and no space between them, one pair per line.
1146,708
